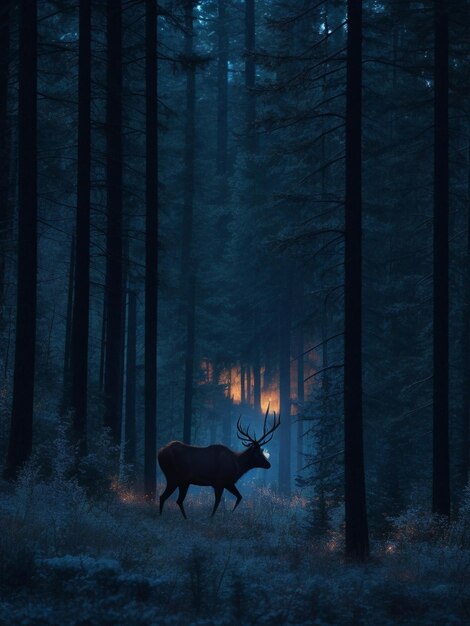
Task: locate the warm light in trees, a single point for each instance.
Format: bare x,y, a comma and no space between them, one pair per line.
230,378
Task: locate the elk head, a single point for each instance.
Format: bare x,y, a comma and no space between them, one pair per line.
254,453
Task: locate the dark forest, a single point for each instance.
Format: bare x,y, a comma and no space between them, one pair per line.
234,312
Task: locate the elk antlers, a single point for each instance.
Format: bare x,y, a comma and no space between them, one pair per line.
248,440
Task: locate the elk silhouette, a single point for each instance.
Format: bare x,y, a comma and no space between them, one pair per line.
213,466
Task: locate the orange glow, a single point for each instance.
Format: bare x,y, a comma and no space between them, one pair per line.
231,378
128,497
271,397
332,545
235,385
207,370
124,494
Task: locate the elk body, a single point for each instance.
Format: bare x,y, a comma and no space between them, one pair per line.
213,466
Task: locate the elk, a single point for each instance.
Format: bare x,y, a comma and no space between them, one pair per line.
214,466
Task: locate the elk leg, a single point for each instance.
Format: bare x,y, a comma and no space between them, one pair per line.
218,494
234,491
169,489
181,496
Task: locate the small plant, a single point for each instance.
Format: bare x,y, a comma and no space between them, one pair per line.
416,524
27,488
98,470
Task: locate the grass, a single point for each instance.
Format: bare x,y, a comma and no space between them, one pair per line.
66,560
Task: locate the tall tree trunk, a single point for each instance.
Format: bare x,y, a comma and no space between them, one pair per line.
256,379
124,305
66,375
248,387
325,423
253,395
188,277
224,407
250,76
113,356
21,432
81,302
441,479
5,213
464,419
243,384
102,344
151,252
189,359
285,315
357,536
222,93
300,371
300,398
131,364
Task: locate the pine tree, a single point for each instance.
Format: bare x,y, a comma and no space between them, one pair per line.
151,252
357,538
81,301
188,276
21,431
5,216
114,269
441,477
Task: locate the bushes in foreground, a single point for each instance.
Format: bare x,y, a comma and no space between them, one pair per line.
68,558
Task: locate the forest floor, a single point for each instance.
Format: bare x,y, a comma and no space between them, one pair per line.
64,560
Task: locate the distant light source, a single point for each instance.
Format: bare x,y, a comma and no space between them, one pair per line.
266,453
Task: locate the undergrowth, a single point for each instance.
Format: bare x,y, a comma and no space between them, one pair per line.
71,557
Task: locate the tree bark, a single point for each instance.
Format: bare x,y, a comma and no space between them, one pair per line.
357,536
5,212
151,253
81,302
124,306
248,387
256,379
188,276
242,384
189,360
102,345
131,364
113,356
300,398
222,92
464,418
21,431
66,376
299,339
464,430
250,76
253,393
441,477
285,314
